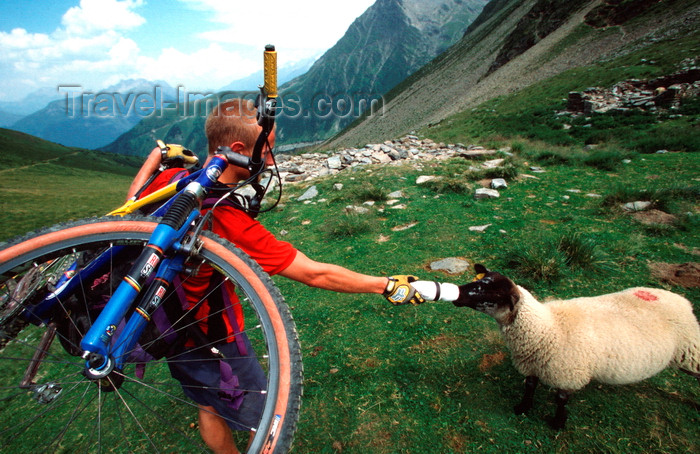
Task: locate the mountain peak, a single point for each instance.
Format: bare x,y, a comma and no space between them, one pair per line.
383,46
423,14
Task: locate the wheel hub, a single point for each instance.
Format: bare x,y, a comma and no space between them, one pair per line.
107,377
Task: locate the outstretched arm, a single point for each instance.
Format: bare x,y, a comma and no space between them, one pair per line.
396,289
332,277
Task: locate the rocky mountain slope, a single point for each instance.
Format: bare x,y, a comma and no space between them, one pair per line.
515,44
391,40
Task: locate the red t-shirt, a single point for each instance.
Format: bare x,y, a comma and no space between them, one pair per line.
247,234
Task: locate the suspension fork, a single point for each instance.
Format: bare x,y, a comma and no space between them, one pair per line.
151,300
97,341
171,230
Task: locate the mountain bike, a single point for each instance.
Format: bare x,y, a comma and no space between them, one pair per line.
69,380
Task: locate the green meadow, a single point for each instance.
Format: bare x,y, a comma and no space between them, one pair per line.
436,378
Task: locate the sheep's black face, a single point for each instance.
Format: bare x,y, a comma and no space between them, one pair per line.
491,293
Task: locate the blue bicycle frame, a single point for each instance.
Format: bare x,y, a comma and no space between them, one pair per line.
160,261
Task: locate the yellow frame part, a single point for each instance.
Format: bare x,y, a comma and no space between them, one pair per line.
132,205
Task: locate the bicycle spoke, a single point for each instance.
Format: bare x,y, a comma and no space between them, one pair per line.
98,424
134,417
159,416
161,391
67,410
122,427
76,412
37,417
58,359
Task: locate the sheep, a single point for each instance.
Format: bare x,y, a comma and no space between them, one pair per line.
618,338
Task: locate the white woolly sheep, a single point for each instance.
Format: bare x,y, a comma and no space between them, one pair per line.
618,338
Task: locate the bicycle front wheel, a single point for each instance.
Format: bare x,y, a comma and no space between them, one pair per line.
50,405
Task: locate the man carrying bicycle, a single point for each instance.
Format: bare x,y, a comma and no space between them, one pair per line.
233,124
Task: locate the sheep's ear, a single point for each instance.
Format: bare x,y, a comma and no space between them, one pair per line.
514,297
480,270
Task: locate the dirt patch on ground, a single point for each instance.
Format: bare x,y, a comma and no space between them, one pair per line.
683,247
377,429
652,217
489,361
439,343
685,274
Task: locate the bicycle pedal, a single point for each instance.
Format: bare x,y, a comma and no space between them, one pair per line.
45,394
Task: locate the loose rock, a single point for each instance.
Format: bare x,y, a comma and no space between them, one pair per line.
486,193
309,194
498,183
451,265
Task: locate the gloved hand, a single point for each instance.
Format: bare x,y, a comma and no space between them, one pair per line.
176,155
400,291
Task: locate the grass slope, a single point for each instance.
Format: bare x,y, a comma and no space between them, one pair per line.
436,378
43,183
532,112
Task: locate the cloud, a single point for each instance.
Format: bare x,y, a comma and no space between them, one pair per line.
101,15
19,39
204,69
91,49
308,25
93,45
87,45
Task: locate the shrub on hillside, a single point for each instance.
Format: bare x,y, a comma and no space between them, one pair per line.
349,225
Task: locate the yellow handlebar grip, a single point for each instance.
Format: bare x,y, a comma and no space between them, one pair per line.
270,68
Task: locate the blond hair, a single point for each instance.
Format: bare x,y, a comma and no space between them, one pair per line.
232,121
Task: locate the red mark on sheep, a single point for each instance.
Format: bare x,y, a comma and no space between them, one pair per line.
646,296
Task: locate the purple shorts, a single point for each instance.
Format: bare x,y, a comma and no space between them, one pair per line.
199,374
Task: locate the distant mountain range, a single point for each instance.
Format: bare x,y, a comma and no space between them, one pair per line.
284,74
34,101
512,44
388,42
387,56
7,119
13,111
382,47
93,119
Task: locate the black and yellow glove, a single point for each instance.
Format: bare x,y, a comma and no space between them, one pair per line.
400,291
175,155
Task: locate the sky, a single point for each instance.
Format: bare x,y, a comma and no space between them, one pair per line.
200,44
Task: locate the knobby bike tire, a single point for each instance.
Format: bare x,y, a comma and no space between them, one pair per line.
83,417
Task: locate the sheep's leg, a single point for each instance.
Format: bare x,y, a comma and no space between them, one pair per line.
559,420
693,374
526,404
